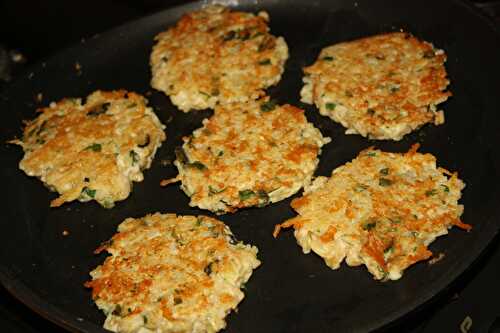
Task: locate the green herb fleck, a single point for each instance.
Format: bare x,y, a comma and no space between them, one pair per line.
118,310
384,171
263,197
213,191
360,187
197,165
199,221
96,147
215,91
371,154
208,268
229,36
384,182
181,156
330,106
246,194
88,192
204,94
369,226
268,106
327,58
134,156
131,105
145,319
445,188
389,248
220,153
259,33
430,193
393,89
265,62
98,110
238,34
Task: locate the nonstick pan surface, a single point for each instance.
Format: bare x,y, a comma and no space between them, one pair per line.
290,292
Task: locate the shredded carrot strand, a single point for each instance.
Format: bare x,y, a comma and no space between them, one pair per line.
292,222
462,225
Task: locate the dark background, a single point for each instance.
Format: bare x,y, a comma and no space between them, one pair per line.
31,31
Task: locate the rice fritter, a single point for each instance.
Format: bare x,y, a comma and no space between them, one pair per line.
216,55
92,150
381,87
248,154
381,210
169,273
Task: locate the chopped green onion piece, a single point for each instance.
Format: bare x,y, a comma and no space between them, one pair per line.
445,188
369,226
134,156
384,182
384,171
88,192
389,249
268,106
330,106
215,91
118,310
213,191
246,194
393,89
430,193
360,187
199,221
327,58
98,110
265,62
197,165
94,147
263,197
181,156
208,269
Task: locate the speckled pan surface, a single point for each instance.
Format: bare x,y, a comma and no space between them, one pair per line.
46,253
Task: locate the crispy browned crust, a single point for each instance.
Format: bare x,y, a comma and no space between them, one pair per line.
169,273
92,150
381,210
382,87
215,55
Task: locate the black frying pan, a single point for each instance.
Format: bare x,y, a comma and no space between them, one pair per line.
290,292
